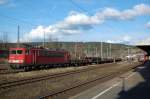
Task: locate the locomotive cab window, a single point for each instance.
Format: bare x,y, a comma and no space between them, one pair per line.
13,52
19,51
16,52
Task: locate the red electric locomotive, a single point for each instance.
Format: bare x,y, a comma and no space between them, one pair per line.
37,57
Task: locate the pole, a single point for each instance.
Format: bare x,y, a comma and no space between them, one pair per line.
75,49
128,51
123,84
129,54
18,41
101,50
110,51
87,51
44,40
107,52
96,55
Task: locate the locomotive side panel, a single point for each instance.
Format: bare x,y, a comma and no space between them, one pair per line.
28,59
52,57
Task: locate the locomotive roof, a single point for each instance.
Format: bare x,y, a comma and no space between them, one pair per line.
17,48
58,50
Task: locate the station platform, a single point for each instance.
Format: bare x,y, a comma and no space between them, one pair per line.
132,85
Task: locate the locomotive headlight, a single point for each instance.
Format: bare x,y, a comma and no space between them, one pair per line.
16,61
21,61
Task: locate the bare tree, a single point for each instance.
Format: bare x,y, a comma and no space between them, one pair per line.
4,39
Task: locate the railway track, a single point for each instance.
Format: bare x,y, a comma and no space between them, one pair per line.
16,83
105,76
45,77
4,66
6,71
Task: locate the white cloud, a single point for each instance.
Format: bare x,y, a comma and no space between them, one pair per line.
137,10
3,2
80,18
77,22
122,39
116,41
127,38
110,13
143,42
111,41
148,25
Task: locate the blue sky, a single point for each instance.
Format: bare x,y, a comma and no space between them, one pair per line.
116,21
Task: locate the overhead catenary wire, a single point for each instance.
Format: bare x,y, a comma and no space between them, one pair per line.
21,21
18,20
29,23
81,8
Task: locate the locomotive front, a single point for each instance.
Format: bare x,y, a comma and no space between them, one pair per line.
16,57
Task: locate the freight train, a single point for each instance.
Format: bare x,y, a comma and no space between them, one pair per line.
30,58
